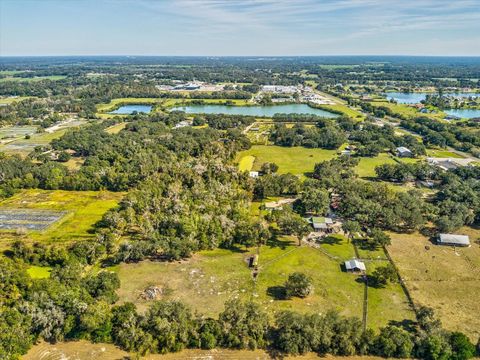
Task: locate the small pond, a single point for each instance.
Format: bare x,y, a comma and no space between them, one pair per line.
464,113
267,111
130,109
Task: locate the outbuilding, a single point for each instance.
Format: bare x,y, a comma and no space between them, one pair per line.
402,151
254,174
355,265
453,240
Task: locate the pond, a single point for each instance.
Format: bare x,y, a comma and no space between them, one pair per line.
464,113
130,109
267,111
415,98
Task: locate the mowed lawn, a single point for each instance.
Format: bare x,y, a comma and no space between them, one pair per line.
443,278
295,160
366,166
210,278
84,209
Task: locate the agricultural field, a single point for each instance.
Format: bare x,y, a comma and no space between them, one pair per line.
82,210
209,278
28,219
295,160
442,277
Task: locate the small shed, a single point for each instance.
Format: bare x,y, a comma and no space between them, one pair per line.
355,265
254,174
453,240
402,151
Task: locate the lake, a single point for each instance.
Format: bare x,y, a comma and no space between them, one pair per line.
414,98
257,110
464,113
129,109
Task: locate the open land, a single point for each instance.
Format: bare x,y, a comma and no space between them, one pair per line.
442,277
82,210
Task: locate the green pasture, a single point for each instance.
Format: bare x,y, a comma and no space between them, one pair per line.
295,160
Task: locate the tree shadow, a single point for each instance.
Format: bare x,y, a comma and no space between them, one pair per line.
275,242
407,324
331,240
235,248
277,292
365,245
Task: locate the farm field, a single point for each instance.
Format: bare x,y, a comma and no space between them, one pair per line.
83,208
84,350
295,160
210,278
440,277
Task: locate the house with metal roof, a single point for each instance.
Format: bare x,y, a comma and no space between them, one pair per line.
453,240
355,265
321,223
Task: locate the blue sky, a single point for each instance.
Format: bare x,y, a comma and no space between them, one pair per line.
239,27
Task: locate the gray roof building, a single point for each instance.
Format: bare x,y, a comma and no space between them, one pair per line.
355,265
454,239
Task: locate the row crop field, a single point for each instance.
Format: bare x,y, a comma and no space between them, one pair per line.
28,219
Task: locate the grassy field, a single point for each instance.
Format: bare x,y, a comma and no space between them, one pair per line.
246,163
115,129
209,278
85,208
295,160
366,167
39,272
24,146
443,154
9,100
440,277
407,110
84,350
33,79
346,110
